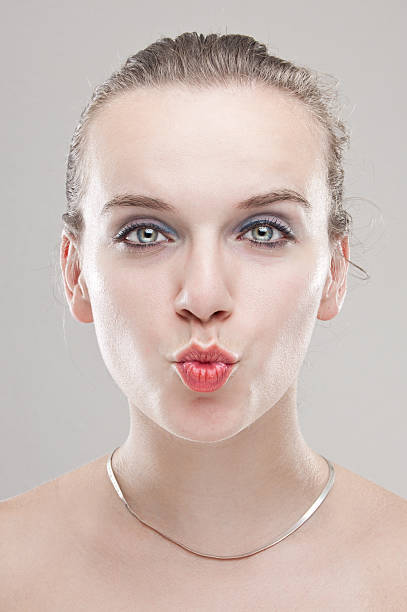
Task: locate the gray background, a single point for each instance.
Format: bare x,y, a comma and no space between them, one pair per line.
60,408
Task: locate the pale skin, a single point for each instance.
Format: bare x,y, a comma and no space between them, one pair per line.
222,472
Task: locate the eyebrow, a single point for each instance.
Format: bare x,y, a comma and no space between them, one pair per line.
264,199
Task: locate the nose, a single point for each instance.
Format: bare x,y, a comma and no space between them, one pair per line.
206,281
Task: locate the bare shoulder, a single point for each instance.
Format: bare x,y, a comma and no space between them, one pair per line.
378,535
23,527
50,507
25,514
40,534
378,505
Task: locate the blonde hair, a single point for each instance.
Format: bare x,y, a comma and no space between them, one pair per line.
199,60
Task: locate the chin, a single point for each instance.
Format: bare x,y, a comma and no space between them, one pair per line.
205,419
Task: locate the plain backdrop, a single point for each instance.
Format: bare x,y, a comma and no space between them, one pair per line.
60,408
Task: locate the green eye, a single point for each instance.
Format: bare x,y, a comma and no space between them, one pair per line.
267,225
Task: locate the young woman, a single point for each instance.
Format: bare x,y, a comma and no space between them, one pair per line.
205,234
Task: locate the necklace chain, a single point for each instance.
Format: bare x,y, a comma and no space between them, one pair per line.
285,534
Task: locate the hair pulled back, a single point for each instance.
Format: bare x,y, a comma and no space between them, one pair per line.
199,60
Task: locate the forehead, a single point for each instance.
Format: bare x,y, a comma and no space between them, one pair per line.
182,143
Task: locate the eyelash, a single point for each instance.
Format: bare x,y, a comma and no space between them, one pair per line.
275,224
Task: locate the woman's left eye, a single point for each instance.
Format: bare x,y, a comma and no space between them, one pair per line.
264,228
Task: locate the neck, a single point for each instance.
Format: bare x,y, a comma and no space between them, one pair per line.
223,497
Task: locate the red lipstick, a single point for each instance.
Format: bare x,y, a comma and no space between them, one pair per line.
205,369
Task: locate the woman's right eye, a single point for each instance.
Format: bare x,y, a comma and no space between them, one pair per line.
145,234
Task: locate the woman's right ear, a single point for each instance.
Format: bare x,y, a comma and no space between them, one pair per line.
76,290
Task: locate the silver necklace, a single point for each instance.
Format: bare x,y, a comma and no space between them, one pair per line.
285,534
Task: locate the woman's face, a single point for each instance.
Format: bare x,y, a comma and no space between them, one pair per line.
208,277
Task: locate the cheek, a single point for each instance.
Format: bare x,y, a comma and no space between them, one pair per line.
127,310
282,316
289,292
130,311
121,300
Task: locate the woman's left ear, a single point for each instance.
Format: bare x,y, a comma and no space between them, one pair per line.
334,292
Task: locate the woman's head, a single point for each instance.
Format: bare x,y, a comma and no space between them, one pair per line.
199,127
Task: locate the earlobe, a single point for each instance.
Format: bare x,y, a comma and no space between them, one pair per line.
76,290
334,292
